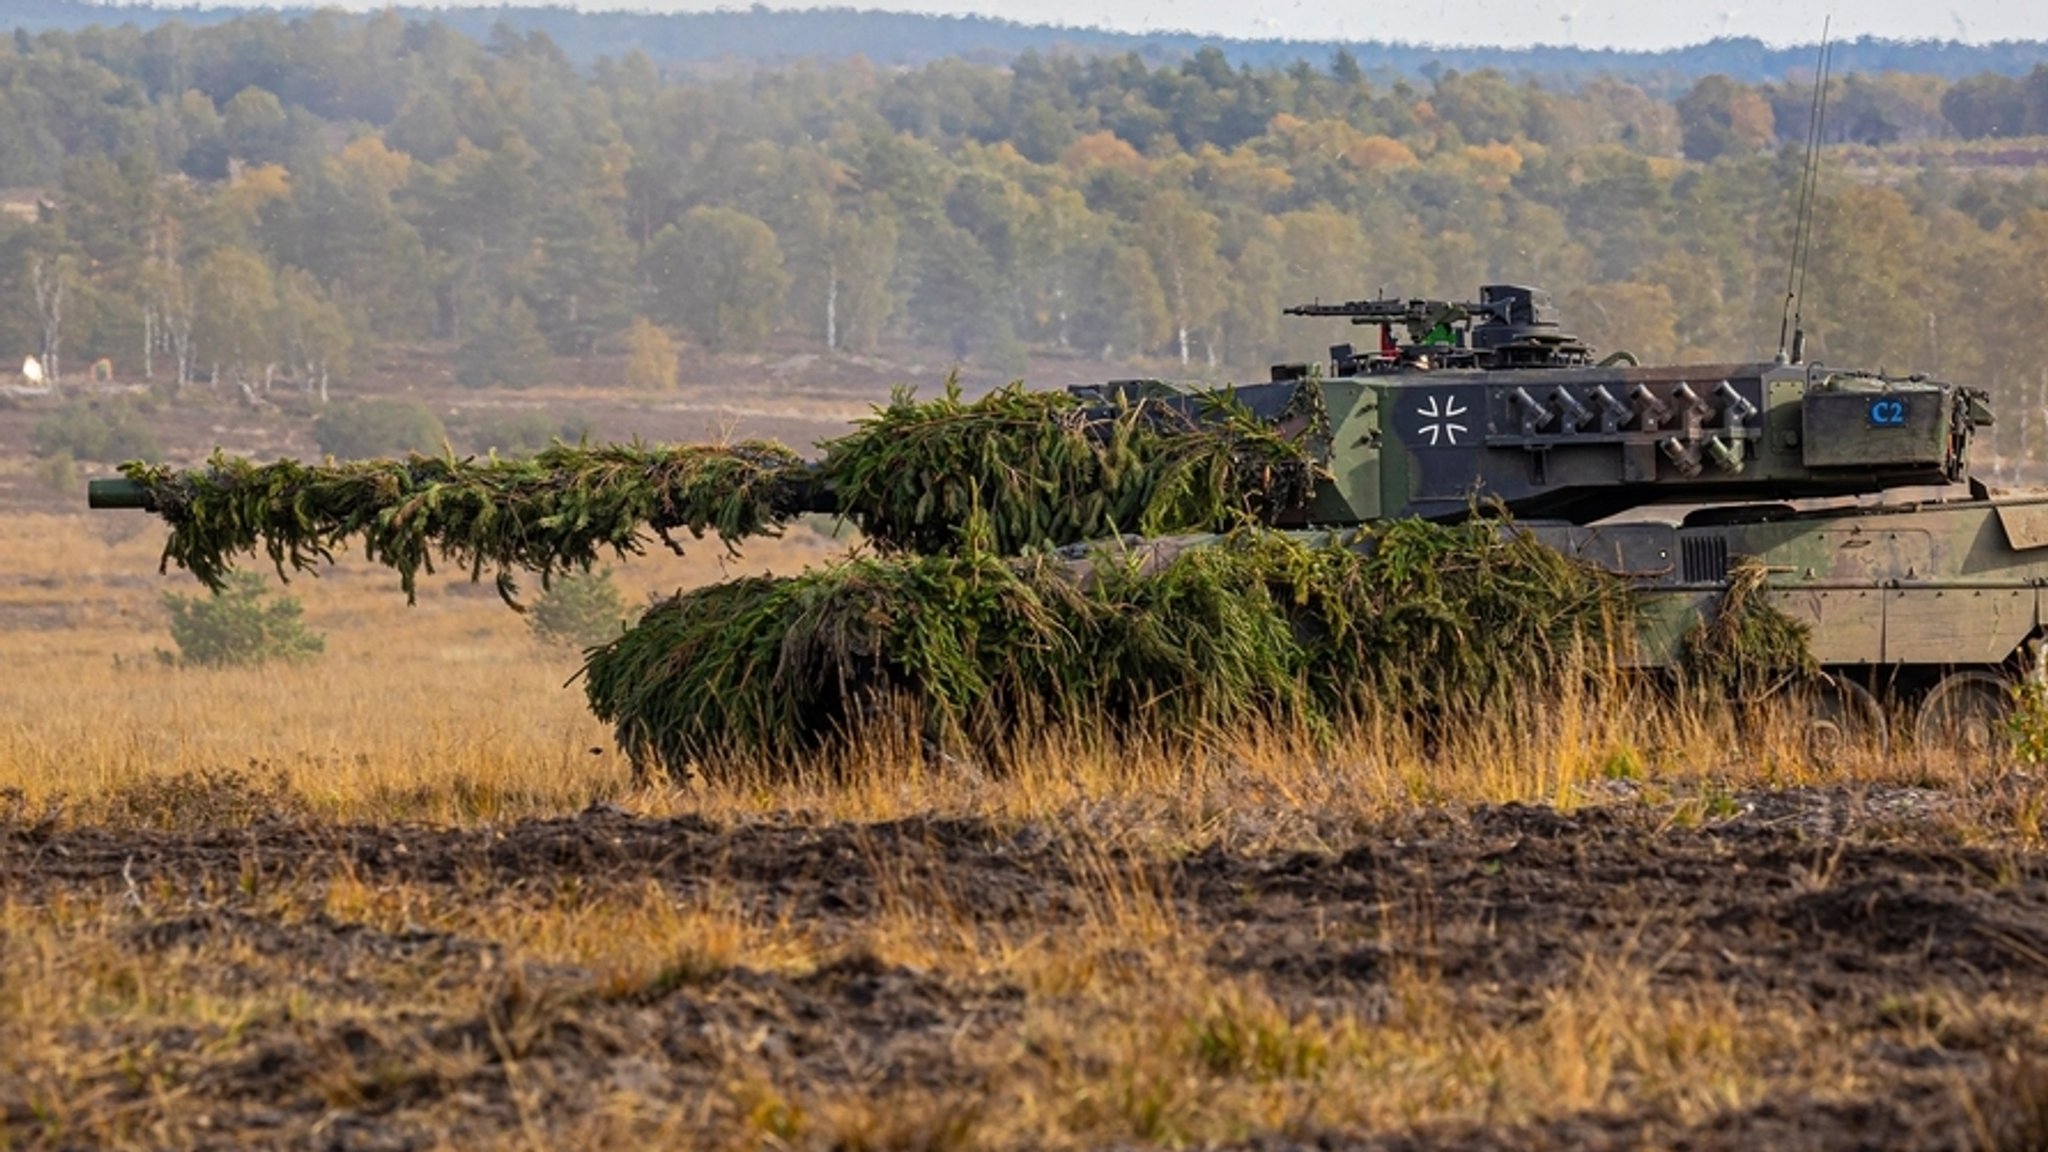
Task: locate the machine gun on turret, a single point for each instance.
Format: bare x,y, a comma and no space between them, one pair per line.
1509,326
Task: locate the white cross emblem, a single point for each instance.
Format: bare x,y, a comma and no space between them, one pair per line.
1440,417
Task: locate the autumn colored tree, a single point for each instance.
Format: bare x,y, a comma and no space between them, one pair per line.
1627,316
1719,117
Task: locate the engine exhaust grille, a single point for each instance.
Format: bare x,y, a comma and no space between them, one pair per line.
1703,559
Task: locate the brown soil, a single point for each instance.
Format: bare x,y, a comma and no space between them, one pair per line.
1844,906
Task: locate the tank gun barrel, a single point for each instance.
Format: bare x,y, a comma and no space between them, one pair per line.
803,492
118,492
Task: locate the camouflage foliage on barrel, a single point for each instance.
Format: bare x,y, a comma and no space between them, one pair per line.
558,510
1031,469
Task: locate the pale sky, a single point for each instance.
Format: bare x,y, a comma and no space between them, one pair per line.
1646,24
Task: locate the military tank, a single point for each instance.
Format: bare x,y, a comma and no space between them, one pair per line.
1921,590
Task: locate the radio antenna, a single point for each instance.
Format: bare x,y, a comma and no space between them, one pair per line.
1794,311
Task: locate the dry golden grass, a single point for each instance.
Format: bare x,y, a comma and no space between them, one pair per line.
448,711
445,710
285,1003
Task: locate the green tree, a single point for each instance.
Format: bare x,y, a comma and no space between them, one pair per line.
104,431
110,209
955,301
1863,305
317,342
256,127
238,625
1987,105
1321,247
579,610
1181,240
1131,305
1061,241
234,310
860,300
1252,302
424,127
343,224
718,275
650,357
583,287
479,206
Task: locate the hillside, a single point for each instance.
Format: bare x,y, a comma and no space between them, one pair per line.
761,36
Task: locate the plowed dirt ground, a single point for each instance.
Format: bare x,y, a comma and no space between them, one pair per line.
1808,969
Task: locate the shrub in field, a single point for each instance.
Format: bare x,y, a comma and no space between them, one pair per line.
651,361
239,624
578,610
106,431
362,429
525,433
59,471
2028,725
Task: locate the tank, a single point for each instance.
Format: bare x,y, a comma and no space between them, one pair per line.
1922,590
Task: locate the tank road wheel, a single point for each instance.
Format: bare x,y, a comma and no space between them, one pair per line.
1841,716
1966,713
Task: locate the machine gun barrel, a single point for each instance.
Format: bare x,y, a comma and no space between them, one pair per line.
1393,311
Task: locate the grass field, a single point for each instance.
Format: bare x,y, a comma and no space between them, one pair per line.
408,896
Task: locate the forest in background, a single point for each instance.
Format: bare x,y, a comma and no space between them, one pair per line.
258,203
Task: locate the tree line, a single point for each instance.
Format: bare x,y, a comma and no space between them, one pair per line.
757,35
261,201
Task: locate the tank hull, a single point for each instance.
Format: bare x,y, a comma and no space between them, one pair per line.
1924,615
1905,588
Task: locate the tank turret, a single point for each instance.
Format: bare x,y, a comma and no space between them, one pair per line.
1493,401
